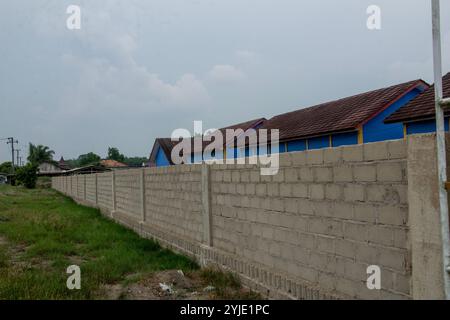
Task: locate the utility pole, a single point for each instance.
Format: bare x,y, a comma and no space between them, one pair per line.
440,103
12,142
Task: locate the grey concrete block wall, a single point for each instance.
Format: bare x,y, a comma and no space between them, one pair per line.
128,192
323,219
173,201
104,190
74,186
91,189
310,231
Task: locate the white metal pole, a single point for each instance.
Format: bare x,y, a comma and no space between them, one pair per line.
441,152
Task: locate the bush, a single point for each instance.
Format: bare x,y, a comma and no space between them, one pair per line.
6,167
44,182
27,176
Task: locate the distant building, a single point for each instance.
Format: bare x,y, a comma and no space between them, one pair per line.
53,167
89,169
3,178
63,164
49,167
107,163
160,155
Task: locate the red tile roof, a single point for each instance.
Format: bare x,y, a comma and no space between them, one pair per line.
422,107
339,115
167,144
244,126
112,164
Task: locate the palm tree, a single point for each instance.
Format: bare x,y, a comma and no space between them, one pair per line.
39,154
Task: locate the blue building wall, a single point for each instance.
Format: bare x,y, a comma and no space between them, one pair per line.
252,151
161,159
426,126
217,155
344,139
197,158
376,130
297,145
319,143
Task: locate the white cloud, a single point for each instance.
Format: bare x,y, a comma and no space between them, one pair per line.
186,91
107,76
105,87
225,73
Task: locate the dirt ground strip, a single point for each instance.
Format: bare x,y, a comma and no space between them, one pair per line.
170,285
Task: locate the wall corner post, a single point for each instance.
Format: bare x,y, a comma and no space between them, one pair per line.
427,280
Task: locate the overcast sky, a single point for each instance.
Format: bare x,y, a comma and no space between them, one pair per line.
138,69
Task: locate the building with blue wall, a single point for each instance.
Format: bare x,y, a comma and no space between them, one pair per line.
160,155
352,120
418,115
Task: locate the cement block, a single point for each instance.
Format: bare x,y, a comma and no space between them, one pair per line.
354,192
365,173
352,153
343,174
376,151
390,172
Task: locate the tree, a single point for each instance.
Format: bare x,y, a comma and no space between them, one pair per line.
88,159
136,161
114,154
6,167
27,175
39,154
72,163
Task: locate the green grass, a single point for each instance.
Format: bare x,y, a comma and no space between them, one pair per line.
227,285
46,232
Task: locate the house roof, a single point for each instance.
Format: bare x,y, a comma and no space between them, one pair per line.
340,115
93,168
112,163
422,107
167,144
244,126
346,114
63,164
